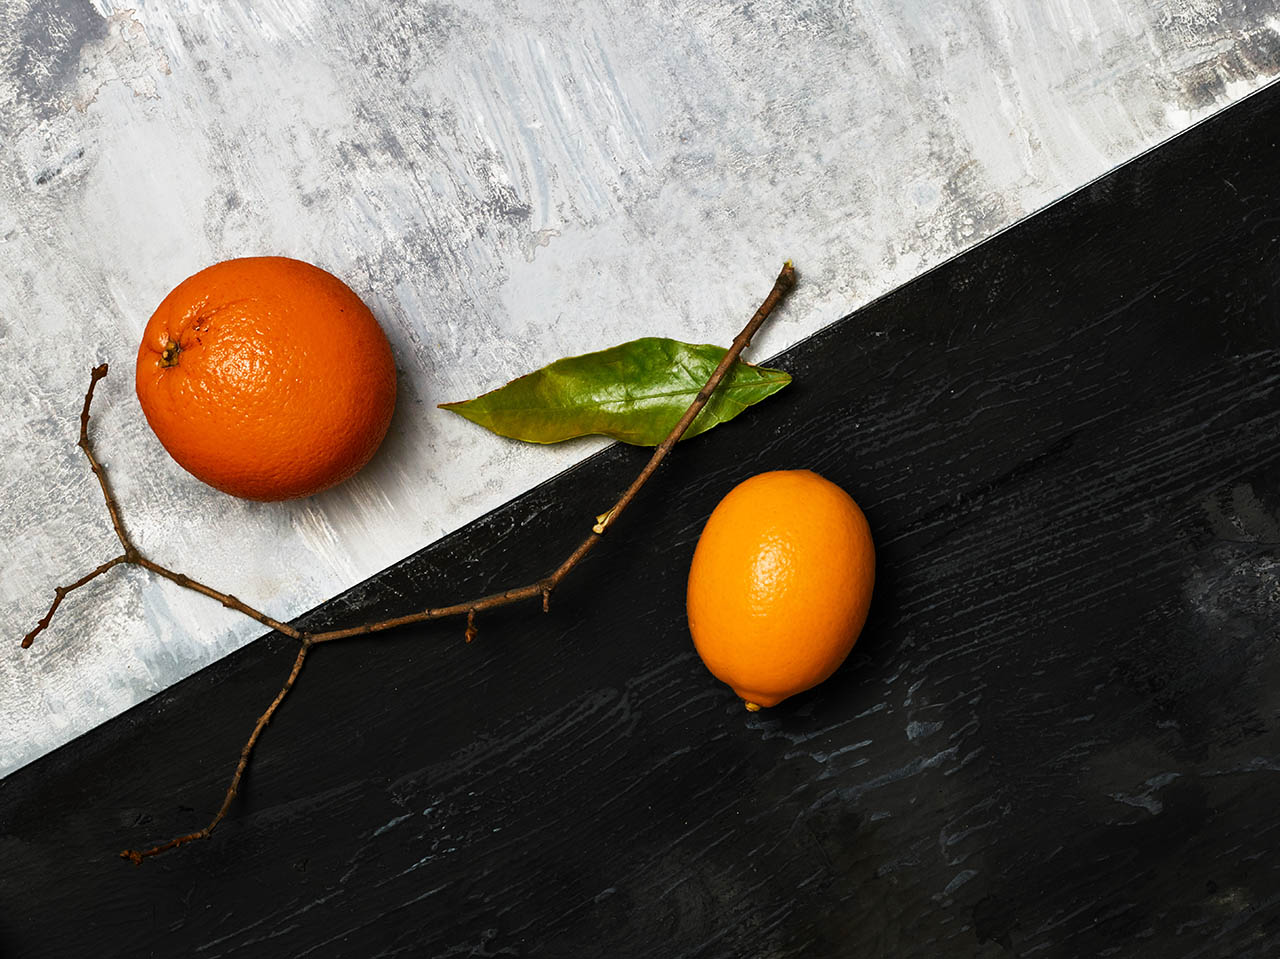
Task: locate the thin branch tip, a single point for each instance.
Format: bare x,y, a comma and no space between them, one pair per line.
60,593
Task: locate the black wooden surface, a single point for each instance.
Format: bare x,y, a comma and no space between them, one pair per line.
1059,735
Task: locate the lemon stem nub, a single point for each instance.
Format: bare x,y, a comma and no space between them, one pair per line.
169,355
751,707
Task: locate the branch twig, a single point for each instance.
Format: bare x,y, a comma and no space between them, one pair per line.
60,594
136,856
226,599
542,589
130,552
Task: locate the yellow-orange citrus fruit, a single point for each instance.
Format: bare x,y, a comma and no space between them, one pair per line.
266,377
780,584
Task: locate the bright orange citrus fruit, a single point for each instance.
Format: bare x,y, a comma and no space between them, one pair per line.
266,377
780,584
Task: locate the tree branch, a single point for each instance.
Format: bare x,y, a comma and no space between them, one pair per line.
226,599
130,552
60,593
136,856
543,588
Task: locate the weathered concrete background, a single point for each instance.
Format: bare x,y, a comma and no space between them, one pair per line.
504,183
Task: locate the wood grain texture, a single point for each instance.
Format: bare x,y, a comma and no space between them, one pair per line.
1059,735
505,182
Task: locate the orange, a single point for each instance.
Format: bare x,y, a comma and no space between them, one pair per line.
266,377
780,584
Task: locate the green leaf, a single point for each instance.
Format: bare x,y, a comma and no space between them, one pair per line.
635,393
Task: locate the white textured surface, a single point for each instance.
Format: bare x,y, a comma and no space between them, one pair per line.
504,183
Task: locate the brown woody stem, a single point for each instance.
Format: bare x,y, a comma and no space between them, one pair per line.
130,552
226,599
541,589
60,593
137,855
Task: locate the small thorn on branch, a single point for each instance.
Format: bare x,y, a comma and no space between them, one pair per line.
546,599
602,523
472,630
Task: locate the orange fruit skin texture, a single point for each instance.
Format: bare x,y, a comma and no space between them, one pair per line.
780,584
282,385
